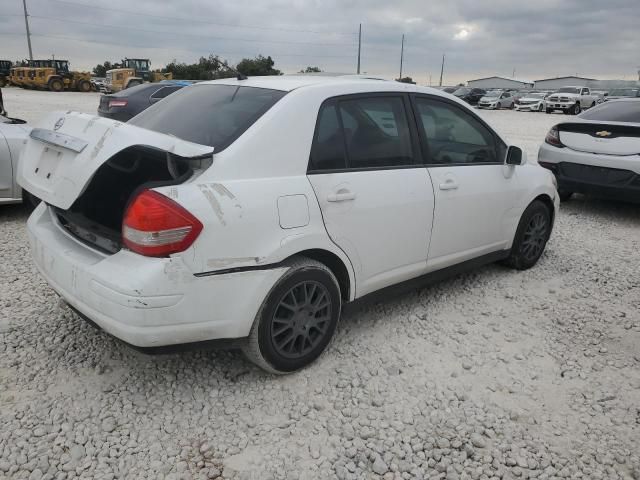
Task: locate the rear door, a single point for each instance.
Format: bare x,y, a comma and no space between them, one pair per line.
376,197
476,194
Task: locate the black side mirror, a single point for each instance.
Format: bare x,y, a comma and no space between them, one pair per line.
514,156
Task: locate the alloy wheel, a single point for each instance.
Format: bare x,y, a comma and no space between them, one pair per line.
301,319
535,237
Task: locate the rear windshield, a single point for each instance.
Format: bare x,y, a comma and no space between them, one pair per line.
213,115
615,111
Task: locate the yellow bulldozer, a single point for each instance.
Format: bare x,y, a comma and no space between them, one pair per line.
132,72
18,75
54,75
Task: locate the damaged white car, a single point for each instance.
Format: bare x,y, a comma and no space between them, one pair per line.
251,210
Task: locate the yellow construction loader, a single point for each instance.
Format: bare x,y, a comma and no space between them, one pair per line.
54,75
132,72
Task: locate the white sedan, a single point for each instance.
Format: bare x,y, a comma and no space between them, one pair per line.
597,153
13,134
532,102
251,210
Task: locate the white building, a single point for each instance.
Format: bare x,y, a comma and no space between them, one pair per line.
499,82
555,83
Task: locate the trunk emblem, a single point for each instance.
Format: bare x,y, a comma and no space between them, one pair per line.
58,124
603,133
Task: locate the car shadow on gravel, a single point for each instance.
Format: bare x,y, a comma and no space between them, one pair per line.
603,209
15,212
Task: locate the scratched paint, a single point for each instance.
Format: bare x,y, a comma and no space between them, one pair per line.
225,262
100,143
213,201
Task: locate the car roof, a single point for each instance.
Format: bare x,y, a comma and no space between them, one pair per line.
288,83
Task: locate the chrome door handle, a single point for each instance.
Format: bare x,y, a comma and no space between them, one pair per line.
341,196
450,184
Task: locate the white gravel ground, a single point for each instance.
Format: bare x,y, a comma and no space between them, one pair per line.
493,375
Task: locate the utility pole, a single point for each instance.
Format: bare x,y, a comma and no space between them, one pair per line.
401,56
26,22
514,73
429,79
359,46
442,70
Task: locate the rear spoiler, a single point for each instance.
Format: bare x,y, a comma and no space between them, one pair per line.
74,144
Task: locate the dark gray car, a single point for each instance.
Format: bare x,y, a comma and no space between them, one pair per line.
127,103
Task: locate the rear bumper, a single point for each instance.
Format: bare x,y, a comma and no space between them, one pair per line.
592,174
146,302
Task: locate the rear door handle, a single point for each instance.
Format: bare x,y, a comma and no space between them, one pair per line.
449,184
341,196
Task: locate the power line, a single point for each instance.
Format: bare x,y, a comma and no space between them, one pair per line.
104,25
209,22
140,46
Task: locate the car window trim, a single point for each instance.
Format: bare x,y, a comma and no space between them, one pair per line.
162,88
413,132
427,160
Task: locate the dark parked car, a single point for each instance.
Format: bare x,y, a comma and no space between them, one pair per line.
470,95
127,103
618,93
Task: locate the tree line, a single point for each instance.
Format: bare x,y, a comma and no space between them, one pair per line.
213,67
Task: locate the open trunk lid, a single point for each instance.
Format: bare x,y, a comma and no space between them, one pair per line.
611,138
63,153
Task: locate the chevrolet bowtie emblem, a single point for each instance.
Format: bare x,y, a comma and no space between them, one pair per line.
603,133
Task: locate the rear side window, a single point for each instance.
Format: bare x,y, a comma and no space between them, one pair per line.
615,111
213,115
376,132
456,137
327,152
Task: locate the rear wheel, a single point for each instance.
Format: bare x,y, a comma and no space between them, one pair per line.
84,86
531,237
56,85
297,319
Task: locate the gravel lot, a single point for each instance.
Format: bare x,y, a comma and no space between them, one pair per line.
494,374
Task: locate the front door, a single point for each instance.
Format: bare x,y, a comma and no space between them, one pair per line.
476,194
376,198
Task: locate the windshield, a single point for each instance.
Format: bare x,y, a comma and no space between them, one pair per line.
213,115
624,92
535,95
462,91
615,111
569,90
493,94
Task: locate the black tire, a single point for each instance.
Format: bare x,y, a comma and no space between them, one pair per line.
564,195
531,237
549,110
593,104
3,82
56,85
576,109
541,108
84,86
498,106
305,304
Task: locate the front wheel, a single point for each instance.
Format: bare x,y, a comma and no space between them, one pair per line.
541,108
84,86
531,237
576,109
297,319
498,106
548,110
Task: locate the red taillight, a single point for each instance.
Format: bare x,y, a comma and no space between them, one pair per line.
118,103
553,137
156,226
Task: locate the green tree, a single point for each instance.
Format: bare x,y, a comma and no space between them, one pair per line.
257,67
206,68
311,70
101,70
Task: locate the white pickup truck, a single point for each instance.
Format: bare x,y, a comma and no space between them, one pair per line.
571,100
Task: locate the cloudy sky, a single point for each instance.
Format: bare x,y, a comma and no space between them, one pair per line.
536,39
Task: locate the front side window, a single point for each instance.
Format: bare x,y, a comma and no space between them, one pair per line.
454,136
